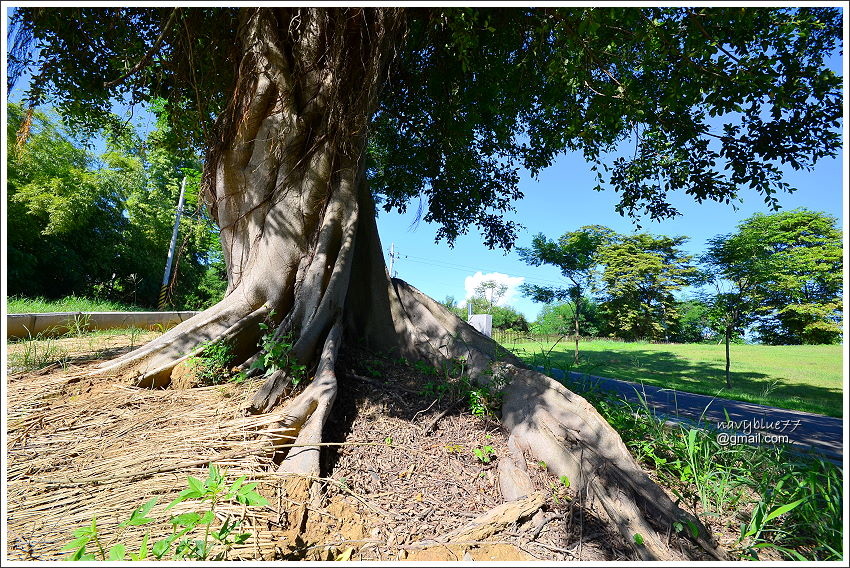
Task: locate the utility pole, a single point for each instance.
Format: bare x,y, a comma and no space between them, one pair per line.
164,289
393,256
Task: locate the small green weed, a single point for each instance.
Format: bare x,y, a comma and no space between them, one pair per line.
277,354
374,368
35,353
78,325
484,454
795,500
212,364
424,368
215,544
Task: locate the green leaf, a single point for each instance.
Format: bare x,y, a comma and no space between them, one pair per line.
186,519
185,494
197,485
213,474
638,539
138,517
76,543
207,518
254,499
782,510
83,531
143,549
234,489
160,547
116,552
692,436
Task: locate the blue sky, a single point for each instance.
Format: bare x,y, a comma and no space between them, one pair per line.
562,200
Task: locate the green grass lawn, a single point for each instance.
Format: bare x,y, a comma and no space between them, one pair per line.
798,377
21,305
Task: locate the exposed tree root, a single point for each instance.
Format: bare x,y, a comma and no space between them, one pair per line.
562,429
497,519
308,412
558,427
151,366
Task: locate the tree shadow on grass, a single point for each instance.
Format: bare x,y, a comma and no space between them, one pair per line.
668,370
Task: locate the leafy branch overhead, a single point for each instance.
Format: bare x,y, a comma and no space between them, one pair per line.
708,101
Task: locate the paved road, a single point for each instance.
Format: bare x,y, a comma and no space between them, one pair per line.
756,422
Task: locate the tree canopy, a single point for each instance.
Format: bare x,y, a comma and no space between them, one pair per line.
702,100
787,267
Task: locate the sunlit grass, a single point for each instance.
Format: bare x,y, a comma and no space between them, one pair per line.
798,377
22,305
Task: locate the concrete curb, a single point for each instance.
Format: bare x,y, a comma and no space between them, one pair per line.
51,324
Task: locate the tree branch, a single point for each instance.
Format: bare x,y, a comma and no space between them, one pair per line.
147,56
693,17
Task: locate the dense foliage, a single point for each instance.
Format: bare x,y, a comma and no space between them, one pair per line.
708,101
632,277
779,275
640,274
101,225
559,319
783,272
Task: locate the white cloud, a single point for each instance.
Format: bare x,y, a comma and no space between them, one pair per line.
512,282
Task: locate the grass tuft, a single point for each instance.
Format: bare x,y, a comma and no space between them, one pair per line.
38,305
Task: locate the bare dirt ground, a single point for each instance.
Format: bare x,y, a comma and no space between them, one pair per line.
400,481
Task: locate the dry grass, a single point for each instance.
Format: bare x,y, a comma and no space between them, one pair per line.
79,450
82,448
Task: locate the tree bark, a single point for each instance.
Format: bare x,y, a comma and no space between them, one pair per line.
286,184
575,356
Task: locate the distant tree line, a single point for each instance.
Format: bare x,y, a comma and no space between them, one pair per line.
100,225
778,276
777,279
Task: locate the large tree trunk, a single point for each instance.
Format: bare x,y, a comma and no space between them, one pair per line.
286,184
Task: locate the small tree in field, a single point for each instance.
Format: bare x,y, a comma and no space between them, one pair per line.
781,271
491,293
732,309
312,116
576,254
